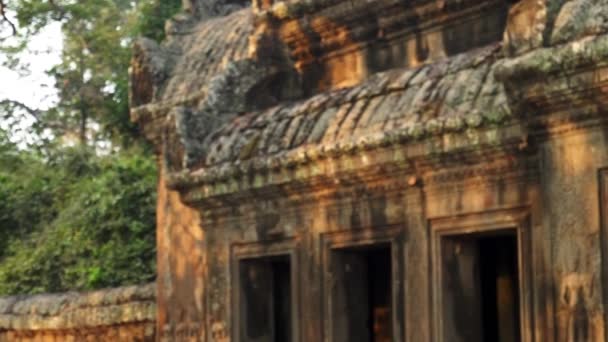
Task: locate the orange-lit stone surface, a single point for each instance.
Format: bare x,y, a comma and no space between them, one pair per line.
315,130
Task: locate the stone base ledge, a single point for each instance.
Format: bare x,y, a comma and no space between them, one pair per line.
72,310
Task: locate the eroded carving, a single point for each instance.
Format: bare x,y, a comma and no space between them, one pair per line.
149,69
525,26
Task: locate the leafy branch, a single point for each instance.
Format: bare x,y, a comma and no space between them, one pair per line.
12,105
4,18
40,116
58,13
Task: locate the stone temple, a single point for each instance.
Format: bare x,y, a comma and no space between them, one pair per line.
374,171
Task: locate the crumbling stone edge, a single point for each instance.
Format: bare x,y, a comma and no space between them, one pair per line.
73,310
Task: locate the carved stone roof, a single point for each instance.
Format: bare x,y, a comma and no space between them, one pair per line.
203,51
447,95
206,74
73,310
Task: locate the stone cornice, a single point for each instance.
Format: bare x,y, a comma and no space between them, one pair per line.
317,168
512,162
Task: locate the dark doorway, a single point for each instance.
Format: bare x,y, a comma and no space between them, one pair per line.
282,300
362,294
266,300
481,288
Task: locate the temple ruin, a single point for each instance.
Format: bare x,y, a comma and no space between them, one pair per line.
389,170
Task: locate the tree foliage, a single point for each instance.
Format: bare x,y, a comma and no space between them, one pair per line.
72,218
76,220
92,78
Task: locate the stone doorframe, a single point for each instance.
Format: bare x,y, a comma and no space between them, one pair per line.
517,219
393,235
265,249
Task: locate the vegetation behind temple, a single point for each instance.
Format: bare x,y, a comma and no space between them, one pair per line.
75,220
70,217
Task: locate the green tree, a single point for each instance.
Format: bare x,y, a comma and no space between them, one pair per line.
70,218
76,221
92,78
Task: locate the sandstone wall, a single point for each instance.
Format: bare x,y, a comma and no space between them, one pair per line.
119,314
181,259
508,137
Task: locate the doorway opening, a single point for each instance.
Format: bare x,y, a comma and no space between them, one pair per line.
265,286
362,308
481,287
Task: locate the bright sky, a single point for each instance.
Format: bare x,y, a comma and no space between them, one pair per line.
36,89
